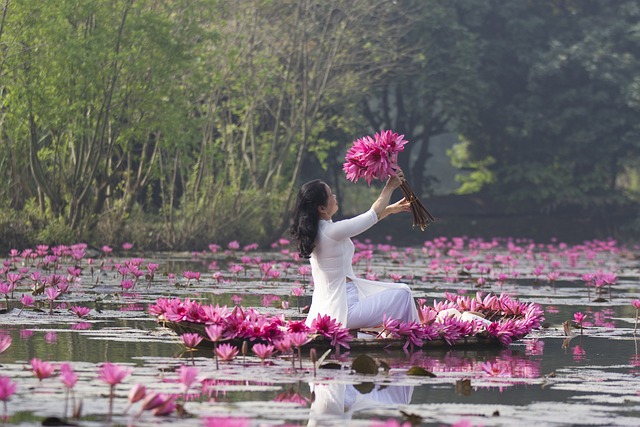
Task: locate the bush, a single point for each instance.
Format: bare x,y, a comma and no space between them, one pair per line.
15,232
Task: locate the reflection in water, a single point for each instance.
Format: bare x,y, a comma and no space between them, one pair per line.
81,326
509,363
51,337
25,334
336,402
578,353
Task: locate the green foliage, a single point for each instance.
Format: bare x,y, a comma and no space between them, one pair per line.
554,109
427,83
56,232
478,175
173,124
247,216
15,233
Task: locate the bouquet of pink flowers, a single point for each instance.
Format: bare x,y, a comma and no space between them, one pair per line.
377,158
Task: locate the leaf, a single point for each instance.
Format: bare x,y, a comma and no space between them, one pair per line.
324,356
419,371
55,421
364,364
331,365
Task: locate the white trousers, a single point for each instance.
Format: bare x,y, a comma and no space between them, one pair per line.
395,303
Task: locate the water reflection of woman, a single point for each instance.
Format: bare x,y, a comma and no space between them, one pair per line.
352,301
335,403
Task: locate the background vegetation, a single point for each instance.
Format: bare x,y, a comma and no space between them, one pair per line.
176,123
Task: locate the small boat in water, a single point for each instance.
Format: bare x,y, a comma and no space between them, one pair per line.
458,322
360,340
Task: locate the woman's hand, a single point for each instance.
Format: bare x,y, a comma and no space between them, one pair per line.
395,181
381,205
400,206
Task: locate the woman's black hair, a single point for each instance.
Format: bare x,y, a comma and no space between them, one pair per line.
306,218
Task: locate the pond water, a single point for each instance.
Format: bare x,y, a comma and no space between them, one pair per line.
590,377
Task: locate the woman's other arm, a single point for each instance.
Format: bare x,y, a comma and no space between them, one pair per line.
400,206
381,206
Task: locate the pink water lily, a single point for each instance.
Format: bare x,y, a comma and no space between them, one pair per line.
27,300
137,393
42,369
166,408
6,289
191,275
502,331
80,311
5,342
635,303
113,374
68,376
263,351
191,340
153,400
331,329
579,319
187,376
52,293
226,352
413,333
152,267
7,389
373,157
214,332
299,339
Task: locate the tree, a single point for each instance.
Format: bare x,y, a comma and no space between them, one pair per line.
427,86
557,110
281,77
90,88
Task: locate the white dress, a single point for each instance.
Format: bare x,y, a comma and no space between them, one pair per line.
352,301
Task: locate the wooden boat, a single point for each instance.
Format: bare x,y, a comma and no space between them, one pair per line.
494,322
357,343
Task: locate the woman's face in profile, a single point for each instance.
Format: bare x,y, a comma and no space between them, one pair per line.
332,203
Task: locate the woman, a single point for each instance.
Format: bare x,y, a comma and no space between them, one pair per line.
352,301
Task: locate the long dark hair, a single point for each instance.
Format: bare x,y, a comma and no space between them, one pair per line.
305,217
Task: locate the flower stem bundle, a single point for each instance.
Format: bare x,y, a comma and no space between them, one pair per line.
421,216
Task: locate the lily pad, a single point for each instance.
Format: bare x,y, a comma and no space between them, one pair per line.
419,371
364,364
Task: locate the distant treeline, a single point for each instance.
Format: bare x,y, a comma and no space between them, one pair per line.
173,124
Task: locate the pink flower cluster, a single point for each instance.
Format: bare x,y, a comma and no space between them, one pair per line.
507,320
510,320
245,323
331,329
374,158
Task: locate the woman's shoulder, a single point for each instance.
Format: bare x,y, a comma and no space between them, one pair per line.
367,216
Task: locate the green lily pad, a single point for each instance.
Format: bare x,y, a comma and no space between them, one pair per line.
364,364
419,371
